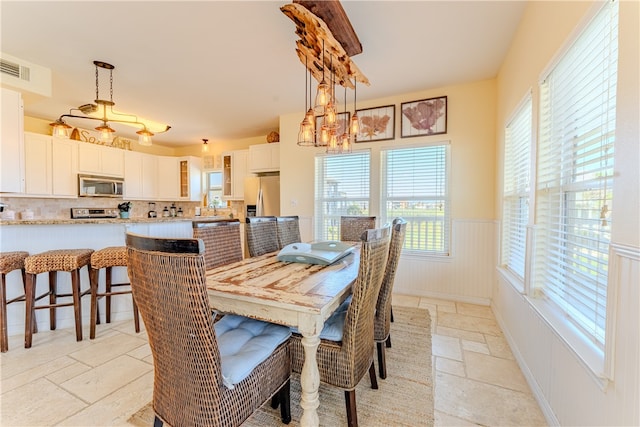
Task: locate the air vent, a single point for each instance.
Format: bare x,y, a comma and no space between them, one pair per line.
24,75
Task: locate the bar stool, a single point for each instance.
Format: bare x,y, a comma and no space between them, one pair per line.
52,262
107,258
9,261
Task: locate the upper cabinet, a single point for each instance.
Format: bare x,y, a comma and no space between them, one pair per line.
50,166
190,178
99,160
264,158
234,170
140,176
11,144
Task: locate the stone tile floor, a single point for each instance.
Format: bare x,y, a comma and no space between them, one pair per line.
104,381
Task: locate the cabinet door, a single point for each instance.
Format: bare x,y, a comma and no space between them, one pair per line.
264,158
132,175
191,178
226,175
149,176
37,151
95,159
89,158
112,161
64,169
168,178
239,172
12,143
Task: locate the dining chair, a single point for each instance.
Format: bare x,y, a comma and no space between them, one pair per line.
262,235
382,317
346,348
352,227
204,374
288,230
222,242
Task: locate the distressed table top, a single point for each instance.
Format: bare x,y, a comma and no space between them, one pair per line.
272,290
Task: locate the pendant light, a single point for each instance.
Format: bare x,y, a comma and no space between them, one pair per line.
205,146
322,95
345,140
306,133
355,123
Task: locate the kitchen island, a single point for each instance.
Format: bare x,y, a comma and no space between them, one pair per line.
39,235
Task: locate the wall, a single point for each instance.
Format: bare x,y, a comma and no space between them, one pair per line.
565,388
468,273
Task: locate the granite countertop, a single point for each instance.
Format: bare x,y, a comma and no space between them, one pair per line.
134,220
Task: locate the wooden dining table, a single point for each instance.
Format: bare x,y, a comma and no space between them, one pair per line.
291,294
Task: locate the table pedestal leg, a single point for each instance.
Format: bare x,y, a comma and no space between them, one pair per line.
310,381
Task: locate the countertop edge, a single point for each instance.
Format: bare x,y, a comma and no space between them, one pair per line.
55,221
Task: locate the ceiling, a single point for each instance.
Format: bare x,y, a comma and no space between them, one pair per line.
226,70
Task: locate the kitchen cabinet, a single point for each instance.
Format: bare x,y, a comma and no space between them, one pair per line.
96,159
12,143
264,158
140,176
168,178
234,170
190,178
50,166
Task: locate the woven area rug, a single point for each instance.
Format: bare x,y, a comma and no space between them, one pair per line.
404,398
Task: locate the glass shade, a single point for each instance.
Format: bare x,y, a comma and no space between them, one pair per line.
144,137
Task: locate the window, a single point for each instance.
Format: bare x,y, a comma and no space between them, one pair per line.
574,178
515,200
415,186
342,188
214,190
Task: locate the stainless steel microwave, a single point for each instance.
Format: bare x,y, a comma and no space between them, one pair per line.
100,186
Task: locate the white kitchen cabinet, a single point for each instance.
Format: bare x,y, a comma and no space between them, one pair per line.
190,178
140,176
264,158
99,160
168,178
234,171
50,166
12,143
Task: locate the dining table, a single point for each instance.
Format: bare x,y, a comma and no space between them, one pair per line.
294,294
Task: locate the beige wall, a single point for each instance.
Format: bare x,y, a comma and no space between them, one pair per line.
569,393
470,129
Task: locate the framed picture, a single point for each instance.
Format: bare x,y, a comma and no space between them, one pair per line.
341,118
424,117
377,124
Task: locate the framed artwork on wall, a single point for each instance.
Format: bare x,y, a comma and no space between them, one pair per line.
377,124
424,117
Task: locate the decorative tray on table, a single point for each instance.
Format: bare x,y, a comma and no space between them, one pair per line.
323,253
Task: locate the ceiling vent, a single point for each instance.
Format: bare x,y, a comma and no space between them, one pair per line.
24,76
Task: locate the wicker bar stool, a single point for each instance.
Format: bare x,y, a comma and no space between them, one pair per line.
9,261
107,258
52,262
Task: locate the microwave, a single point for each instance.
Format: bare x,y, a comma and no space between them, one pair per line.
100,186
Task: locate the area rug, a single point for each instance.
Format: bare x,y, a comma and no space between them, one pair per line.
404,398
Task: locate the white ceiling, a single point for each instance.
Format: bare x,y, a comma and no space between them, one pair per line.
227,69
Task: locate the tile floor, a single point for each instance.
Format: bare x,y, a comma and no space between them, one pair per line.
104,381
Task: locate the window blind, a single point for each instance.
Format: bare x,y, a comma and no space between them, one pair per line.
574,176
342,188
515,200
415,185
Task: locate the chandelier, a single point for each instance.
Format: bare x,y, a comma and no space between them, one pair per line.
103,111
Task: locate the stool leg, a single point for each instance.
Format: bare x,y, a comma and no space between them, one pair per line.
136,318
24,287
77,303
107,284
94,274
4,344
30,296
53,295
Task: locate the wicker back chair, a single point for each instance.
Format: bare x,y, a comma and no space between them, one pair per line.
168,282
222,242
262,235
352,227
288,228
343,361
382,319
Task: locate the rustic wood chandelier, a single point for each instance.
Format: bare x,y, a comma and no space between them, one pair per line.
327,42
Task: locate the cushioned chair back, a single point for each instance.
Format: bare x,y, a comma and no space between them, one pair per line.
352,227
288,228
222,243
357,338
168,283
382,321
262,235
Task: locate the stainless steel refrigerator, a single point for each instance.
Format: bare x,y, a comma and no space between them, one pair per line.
262,195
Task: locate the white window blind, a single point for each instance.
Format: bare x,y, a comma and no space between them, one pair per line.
575,173
342,188
515,200
415,186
